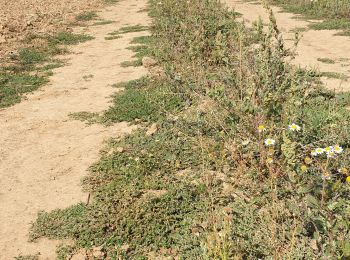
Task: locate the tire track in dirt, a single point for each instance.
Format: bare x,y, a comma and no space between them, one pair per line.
313,45
43,153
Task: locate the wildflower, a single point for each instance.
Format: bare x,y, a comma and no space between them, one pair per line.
338,149
269,160
343,170
245,142
331,154
347,179
269,142
308,160
270,151
326,176
329,149
261,128
294,127
317,151
303,168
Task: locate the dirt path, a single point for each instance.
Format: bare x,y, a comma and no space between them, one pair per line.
43,153
313,45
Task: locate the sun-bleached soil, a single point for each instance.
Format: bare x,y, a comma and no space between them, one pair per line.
314,44
19,18
43,152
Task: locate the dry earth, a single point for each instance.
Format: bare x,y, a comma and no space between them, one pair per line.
43,153
312,46
18,18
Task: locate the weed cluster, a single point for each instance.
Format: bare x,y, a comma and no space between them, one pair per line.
31,67
249,160
86,16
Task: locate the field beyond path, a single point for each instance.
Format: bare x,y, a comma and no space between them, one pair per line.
43,153
317,49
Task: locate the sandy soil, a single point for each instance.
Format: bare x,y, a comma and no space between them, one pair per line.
43,153
313,45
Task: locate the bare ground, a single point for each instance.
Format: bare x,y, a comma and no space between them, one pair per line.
43,153
313,45
21,18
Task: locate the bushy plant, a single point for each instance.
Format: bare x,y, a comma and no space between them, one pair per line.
254,166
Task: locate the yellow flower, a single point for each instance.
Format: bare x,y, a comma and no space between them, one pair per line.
344,171
294,127
347,179
269,160
308,160
270,151
303,168
261,128
329,149
331,154
269,142
326,176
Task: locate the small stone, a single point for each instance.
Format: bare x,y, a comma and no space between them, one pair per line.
152,130
125,248
80,255
313,244
119,149
157,71
2,39
98,252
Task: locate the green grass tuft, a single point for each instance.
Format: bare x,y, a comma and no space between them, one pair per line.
334,75
326,60
27,257
103,22
66,38
87,16
141,50
12,86
133,28
108,38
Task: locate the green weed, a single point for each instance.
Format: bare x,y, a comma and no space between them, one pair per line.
16,80
326,60
66,38
133,28
158,210
27,257
111,1
334,75
103,23
31,57
12,86
87,16
141,50
108,38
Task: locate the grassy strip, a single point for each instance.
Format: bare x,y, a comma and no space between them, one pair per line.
334,13
141,49
209,183
32,66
